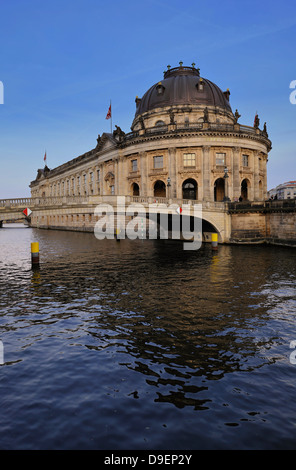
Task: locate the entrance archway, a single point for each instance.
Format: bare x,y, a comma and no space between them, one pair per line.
135,189
159,189
189,189
219,190
245,189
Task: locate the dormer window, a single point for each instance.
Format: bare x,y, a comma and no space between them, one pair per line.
160,88
159,123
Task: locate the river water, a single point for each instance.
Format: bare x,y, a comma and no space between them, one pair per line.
142,345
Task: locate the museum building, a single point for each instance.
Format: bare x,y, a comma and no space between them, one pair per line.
185,143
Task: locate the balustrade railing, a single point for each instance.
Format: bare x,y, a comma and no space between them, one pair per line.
64,201
197,126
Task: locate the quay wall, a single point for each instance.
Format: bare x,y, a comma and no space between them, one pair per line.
273,223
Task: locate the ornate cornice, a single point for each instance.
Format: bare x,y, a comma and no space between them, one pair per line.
179,134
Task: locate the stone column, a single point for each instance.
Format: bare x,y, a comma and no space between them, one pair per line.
264,159
116,175
236,188
119,188
172,171
207,190
144,174
125,173
256,178
101,192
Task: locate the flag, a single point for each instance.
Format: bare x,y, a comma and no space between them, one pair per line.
109,113
45,156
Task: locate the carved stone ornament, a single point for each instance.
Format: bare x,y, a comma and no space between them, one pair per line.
109,176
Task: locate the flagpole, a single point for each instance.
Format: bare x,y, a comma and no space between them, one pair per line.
111,116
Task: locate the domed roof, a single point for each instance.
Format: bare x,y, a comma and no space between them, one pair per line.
182,86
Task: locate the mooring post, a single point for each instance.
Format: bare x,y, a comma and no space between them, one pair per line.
35,254
215,241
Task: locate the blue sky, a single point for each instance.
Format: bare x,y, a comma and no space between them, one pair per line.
62,61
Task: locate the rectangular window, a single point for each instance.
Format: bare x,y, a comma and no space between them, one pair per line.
134,165
220,158
189,159
91,177
245,160
158,161
98,175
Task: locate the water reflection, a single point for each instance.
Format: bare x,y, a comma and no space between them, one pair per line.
181,318
174,325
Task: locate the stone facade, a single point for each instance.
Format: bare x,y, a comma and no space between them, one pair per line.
185,142
268,222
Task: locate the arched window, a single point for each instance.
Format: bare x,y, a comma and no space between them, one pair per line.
159,189
219,190
135,189
261,191
245,189
189,189
159,123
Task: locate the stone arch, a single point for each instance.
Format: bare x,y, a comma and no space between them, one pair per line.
219,189
208,225
135,189
260,185
245,189
190,189
159,189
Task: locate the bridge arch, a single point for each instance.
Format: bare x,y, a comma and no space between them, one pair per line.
165,221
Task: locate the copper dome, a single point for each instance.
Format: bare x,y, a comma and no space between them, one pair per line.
182,86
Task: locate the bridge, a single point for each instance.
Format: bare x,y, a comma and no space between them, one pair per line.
82,212
234,222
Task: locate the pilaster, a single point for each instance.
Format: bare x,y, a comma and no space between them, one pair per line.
236,188
172,170
206,173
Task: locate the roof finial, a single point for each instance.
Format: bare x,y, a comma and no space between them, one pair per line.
181,63
193,64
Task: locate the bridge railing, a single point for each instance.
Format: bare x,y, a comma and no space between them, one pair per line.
33,202
112,199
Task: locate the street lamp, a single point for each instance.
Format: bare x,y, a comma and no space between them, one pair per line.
169,184
226,198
